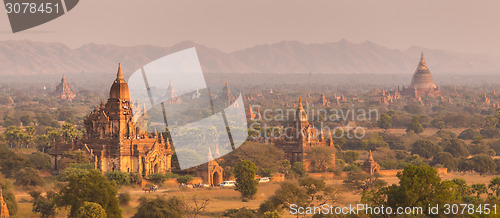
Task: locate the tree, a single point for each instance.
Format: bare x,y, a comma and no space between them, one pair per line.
445,159
199,205
299,168
456,147
8,197
72,157
349,156
28,177
313,187
135,178
185,179
479,188
419,186
91,210
384,122
40,160
469,134
287,194
495,186
246,184
157,178
425,149
483,164
284,167
124,198
45,206
89,186
119,178
415,126
358,180
69,133
321,158
160,207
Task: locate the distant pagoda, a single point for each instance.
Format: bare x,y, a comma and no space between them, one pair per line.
422,83
63,91
4,211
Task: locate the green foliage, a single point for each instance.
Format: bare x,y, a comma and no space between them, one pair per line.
74,170
158,178
358,180
124,198
160,207
40,160
419,186
73,157
185,179
321,158
489,133
8,197
495,186
266,172
312,187
28,177
284,167
384,122
299,169
483,164
456,147
90,186
415,126
469,134
424,148
348,156
91,210
445,159
241,213
262,155
479,188
246,184
45,206
287,194
118,177
135,178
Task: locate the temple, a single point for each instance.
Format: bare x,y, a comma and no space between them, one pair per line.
4,211
63,91
422,84
302,136
114,142
370,166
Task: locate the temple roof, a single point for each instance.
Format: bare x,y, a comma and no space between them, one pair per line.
422,78
119,89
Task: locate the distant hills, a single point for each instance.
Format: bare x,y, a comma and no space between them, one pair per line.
343,57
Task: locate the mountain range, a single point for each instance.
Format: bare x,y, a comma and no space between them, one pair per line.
342,57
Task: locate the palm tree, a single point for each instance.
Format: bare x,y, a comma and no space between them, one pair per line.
479,189
495,186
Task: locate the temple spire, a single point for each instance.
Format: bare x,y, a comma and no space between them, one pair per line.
422,64
300,102
370,157
119,75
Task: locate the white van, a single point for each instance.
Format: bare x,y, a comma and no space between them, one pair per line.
228,184
263,179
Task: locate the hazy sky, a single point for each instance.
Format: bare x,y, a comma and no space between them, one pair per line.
459,25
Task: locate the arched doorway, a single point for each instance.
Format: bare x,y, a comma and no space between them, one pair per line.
215,179
156,168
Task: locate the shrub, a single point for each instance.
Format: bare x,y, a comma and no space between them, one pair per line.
120,178
185,179
124,198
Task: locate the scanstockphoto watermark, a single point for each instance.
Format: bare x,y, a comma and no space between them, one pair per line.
321,117
446,209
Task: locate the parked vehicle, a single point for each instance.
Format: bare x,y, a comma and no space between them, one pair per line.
228,184
263,179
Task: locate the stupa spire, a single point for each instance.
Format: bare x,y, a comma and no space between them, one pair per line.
119,75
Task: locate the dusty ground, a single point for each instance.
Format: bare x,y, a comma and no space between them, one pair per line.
226,198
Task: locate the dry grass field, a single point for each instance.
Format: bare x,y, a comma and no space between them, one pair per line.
221,199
